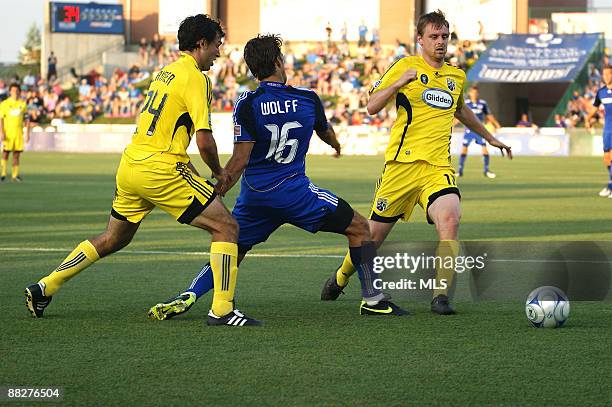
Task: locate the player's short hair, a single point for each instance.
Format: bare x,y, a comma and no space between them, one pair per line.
196,28
261,54
474,87
15,85
437,18
607,67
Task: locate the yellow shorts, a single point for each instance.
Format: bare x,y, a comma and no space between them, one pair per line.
403,185
14,144
172,187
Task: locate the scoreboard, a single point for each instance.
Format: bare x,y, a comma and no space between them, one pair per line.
91,18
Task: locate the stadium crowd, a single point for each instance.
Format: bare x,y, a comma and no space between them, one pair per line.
340,72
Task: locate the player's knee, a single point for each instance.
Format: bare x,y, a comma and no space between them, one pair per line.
448,220
228,228
359,228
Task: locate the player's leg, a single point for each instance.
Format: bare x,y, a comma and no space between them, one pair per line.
607,158
486,159
342,219
117,235
467,139
15,170
441,200
4,162
393,200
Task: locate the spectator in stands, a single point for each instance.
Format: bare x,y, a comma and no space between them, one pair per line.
525,122
84,90
157,50
51,67
143,52
64,108
561,121
363,31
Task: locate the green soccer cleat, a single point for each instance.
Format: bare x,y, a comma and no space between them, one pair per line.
383,307
172,306
36,301
441,306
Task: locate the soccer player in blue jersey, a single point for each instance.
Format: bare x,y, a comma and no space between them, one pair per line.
482,112
272,130
604,97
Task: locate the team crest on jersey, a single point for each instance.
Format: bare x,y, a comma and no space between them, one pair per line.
424,79
451,84
237,131
376,84
381,204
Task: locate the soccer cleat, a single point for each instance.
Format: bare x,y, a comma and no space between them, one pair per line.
490,174
2,179
36,301
331,289
172,306
234,318
606,192
441,306
383,307
17,179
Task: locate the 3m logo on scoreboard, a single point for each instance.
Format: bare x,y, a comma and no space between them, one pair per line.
437,98
92,18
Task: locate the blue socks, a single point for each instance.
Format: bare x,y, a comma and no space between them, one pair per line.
363,258
203,282
462,159
485,159
610,178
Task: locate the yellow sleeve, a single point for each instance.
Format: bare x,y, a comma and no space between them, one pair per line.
461,99
198,97
2,110
392,74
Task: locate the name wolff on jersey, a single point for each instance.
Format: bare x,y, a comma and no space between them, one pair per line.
274,107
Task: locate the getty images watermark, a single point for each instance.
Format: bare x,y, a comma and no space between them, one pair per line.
408,263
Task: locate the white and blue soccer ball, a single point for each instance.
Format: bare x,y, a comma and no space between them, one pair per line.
547,307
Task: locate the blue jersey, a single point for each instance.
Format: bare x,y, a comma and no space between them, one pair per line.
480,109
280,120
604,97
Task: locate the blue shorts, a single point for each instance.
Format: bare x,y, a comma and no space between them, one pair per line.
469,137
607,141
296,201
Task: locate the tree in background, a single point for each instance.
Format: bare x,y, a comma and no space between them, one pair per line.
30,51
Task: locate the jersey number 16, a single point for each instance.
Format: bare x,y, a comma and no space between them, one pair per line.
279,140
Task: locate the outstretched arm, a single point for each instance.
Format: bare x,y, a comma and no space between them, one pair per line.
236,164
468,118
378,100
329,137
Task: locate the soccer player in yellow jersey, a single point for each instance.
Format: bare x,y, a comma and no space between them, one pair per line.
155,171
12,119
428,94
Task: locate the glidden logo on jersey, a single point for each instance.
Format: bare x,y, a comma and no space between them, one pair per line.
437,98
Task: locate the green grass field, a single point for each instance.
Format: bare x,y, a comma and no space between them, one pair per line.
96,342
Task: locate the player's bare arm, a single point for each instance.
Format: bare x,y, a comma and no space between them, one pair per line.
378,100
236,164
28,126
468,118
1,129
589,116
208,152
329,137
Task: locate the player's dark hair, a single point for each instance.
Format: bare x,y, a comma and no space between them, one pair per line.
196,28
606,67
14,85
474,87
261,54
436,18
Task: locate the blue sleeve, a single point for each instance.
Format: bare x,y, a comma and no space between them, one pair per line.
244,122
597,101
320,118
485,108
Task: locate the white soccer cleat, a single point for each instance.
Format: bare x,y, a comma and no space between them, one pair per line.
605,193
490,174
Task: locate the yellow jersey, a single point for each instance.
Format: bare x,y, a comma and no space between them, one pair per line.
176,105
425,111
12,112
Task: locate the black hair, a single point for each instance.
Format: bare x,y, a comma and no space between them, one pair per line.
261,54
14,85
437,18
196,28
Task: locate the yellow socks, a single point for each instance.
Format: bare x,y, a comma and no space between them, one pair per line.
224,264
345,271
15,172
445,249
3,168
83,256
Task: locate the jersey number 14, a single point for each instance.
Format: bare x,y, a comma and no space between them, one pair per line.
279,140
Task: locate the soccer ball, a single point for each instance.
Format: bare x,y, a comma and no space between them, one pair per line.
547,307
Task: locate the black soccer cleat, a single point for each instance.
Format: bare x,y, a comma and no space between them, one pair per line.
331,290
441,306
383,307
234,318
36,301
